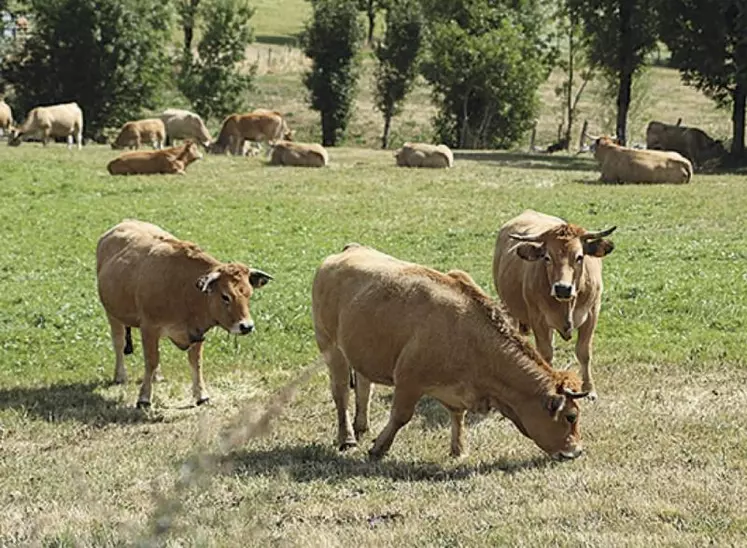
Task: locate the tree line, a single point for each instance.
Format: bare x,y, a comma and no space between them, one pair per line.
484,60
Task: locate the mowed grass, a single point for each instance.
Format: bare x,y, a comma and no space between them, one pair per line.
79,466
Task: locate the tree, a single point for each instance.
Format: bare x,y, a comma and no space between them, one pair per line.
332,40
485,63
107,55
371,8
708,41
215,82
620,34
397,59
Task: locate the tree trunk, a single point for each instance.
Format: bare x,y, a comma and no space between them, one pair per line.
569,93
387,124
371,20
738,120
189,13
626,71
329,131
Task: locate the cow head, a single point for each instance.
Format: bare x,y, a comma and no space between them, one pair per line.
189,153
14,137
228,288
563,250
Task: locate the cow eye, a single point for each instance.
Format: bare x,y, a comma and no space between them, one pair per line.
547,258
226,298
571,418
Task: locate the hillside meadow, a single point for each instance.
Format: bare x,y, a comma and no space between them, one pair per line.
666,447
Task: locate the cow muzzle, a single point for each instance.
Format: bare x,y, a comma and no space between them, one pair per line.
563,292
570,454
243,328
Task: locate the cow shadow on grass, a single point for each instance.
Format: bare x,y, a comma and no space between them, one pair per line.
79,402
312,462
528,160
433,415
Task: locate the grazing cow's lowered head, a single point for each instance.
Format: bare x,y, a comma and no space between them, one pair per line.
563,249
229,287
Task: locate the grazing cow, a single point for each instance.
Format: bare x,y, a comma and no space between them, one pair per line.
65,120
424,332
183,124
288,153
133,134
424,155
172,160
168,288
6,117
549,275
259,126
627,165
692,143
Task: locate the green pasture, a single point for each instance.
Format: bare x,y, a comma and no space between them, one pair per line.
79,466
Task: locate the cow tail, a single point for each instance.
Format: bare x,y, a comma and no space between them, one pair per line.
128,340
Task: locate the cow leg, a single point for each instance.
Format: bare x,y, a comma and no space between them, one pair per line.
339,378
150,350
457,432
118,342
583,353
363,389
79,137
543,336
70,141
403,407
198,383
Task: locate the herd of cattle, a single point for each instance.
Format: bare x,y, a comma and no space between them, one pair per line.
473,353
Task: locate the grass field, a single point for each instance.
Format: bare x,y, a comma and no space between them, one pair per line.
79,466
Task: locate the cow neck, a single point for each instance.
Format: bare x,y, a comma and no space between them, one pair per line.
196,265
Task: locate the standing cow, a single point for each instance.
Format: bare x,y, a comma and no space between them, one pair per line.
6,117
65,120
133,134
183,124
169,288
692,143
549,275
257,127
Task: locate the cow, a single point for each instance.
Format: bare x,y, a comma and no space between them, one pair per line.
6,117
64,120
627,165
424,155
183,124
259,126
288,153
692,143
548,273
172,160
401,324
133,134
168,287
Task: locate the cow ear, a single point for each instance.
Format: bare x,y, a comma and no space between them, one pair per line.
257,278
598,248
530,252
555,405
206,282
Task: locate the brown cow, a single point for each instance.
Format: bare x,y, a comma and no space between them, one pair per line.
288,153
424,332
133,134
6,117
259,126
628,165
172,160
549,275
169,288
692,143
424,155
64,120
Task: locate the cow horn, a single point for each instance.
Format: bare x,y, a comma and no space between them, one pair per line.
526,237
592,137
572,394
598,235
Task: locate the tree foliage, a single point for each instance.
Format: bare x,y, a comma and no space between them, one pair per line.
708,41
107,55
332,39
215,81
397,57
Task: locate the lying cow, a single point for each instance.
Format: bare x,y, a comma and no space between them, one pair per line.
168,288
183,124
424,332
692,143
134,134
288,153
65,120
549,275
424,155
627,165
172,160
6,117
258,127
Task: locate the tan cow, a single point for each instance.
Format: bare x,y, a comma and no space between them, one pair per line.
692,143
262,126
133,134
65,120
628,165
167,287
424,155
288,153
6,117
549,275
427,333
183,124
172,160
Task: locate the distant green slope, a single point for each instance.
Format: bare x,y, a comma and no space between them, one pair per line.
279,21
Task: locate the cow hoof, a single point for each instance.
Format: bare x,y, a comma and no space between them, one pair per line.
375,456
360,433
143,405
203,401
344,446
